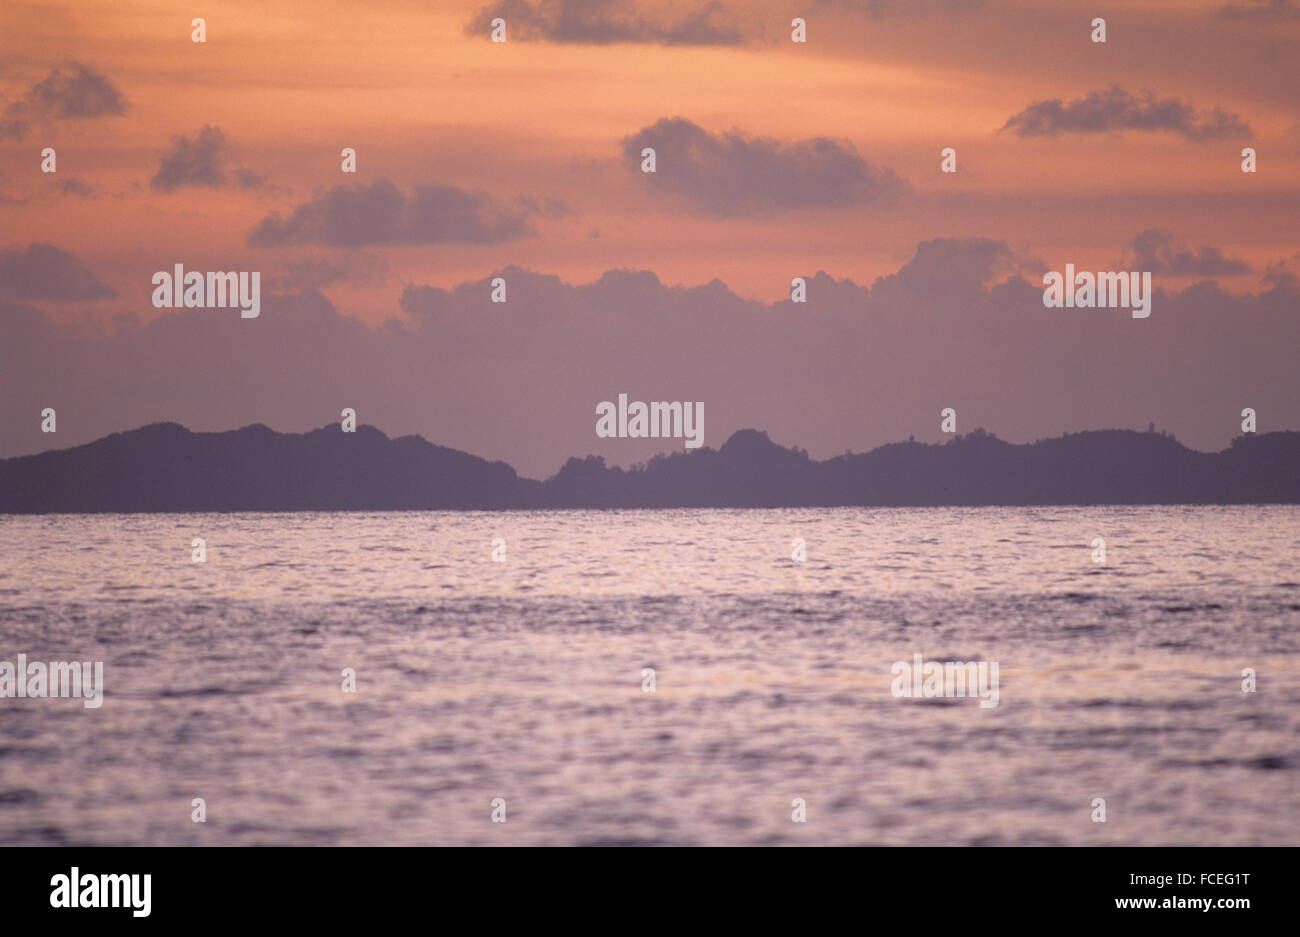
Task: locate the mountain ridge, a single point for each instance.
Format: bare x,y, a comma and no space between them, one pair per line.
165,466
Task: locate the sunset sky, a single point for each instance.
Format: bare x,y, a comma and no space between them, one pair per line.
776,160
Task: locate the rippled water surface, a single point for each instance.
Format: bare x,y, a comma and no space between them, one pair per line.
523,680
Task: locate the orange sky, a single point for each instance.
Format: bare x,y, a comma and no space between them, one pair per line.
290,84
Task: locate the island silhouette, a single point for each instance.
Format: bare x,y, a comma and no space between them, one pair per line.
165,467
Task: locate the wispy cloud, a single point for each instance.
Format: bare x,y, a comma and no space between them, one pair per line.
1159,252
71,92
909,9
1269,11
603,22
381,213
1116,109
76,187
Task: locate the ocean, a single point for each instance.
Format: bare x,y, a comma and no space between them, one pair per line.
520,688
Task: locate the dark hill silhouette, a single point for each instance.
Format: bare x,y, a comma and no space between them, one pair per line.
166,467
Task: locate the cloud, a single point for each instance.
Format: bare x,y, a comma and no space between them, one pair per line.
1158,252
857,365
889,9
955,270
201,162
380,213
602,22
72,92
44,272
248,179
734,175
1262,10
1116,109
76,187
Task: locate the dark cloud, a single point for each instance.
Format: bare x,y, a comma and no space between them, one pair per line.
855,366
380,213
1158,252
43,272
1116,109
201,162
734,175
72,92
602,22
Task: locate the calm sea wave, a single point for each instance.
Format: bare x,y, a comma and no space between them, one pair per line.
523,680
